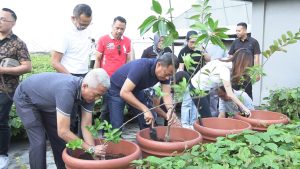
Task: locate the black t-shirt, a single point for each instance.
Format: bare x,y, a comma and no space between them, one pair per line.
249,43
195,55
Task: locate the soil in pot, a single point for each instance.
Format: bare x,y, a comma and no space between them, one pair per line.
214,127
261,119
180,140
87,156
127,148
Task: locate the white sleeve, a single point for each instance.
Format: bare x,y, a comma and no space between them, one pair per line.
61,43
224,73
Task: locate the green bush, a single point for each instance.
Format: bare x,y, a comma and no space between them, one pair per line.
278,148
40,63
286,101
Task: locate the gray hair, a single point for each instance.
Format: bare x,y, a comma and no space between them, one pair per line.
96,77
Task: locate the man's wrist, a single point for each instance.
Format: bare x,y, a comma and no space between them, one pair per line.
91,150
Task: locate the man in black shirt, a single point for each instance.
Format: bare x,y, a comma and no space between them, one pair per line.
244,41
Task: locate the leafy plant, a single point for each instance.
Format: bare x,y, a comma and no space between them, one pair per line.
286,101
160,24
40,63
110,135
277,148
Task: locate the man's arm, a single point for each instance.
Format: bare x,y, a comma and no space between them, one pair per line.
64,132
98,58
24,67
56,62
127,95
167,98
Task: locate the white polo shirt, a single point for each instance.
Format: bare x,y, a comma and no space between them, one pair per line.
211,75
76,48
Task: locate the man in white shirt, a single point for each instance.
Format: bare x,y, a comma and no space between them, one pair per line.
71,53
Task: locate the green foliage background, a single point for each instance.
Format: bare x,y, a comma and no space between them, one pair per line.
40,63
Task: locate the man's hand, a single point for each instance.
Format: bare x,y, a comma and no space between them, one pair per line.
100,150
148,117
221,115
246,112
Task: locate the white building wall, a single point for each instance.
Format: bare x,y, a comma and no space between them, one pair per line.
270,19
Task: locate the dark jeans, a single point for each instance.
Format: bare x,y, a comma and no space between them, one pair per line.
5,107
203,106
116,107
37,123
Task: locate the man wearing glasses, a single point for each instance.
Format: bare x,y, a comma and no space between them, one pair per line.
11,48
71,52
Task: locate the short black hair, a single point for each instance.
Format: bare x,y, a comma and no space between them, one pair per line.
190,34
82,9
243,24
166,59
13,14
121,19
180,75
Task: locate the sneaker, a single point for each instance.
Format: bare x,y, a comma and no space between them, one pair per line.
4,162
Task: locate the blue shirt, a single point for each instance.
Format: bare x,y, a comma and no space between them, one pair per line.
141,72
51,92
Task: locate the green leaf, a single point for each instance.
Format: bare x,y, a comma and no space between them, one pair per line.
258,148
170,10
211,23
156,7
147,27
272,146
194,17
252,139
74,144
147,21
283,37
290,34
162,28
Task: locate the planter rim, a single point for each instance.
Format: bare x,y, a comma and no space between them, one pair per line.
262,124
128,158
164,148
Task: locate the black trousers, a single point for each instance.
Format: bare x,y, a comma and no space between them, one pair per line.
38,124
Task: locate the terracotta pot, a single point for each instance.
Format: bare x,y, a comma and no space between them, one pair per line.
261,119
180,139
214,127
129,149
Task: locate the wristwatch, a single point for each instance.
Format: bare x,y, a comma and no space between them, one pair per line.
91,150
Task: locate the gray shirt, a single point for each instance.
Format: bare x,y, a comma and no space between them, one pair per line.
51,92
229,106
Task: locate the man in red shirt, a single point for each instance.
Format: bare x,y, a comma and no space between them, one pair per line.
113,49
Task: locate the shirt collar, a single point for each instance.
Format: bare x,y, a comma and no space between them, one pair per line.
153,68
79,96
111,37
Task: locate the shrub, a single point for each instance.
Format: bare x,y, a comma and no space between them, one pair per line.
278,148
40,63
286,101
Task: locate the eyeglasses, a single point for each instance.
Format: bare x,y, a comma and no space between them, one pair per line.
5,20
119,49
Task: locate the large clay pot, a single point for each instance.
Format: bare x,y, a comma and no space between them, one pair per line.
214,127
180,140
261,119
129,149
